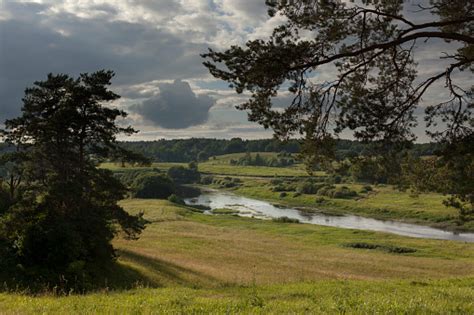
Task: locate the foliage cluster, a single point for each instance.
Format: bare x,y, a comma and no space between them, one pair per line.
197,149
59,211
227,182
183,175
283,159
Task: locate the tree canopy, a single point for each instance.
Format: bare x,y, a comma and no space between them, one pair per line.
63,211
373,89
370,44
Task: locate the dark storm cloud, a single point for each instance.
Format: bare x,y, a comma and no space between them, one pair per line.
33,44
177,106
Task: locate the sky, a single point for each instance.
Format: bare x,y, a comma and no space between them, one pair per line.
154,47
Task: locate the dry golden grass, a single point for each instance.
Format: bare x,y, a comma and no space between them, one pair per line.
182,248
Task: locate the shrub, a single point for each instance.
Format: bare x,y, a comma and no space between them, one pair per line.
386,248
207,180
128,176
152,186
307,188
279,188
228,182
368,187
337,179
325,190
276,181
343,193
365,189
285,220
176,199
320,200
338,193
414,194
183,175
187,191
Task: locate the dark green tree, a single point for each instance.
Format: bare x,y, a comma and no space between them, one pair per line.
370,45
183,175
64,211
150,185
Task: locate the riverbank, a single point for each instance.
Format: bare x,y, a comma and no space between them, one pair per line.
382,203
223,202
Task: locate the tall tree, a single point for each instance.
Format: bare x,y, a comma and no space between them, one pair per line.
64,211
375,90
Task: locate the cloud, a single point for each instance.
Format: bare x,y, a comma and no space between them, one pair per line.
175,107
33,44
149,43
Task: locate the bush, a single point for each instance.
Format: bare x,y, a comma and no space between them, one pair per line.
183,175
152,186
128,176
309,188
283,194
365,189
175,199
285,220
343,193
282,187
276,181
228,182
207,180
325,190
320,200
338,193
229,185
386,248
187,191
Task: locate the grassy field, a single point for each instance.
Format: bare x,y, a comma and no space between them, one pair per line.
187,262
221,165
323,297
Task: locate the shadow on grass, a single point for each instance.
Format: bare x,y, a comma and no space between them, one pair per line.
114,277
161,273
132,271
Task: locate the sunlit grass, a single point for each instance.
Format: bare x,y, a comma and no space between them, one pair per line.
186,262
321,297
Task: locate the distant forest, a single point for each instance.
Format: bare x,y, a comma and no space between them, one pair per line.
187,150
201,149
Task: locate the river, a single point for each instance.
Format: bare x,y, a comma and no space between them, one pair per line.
249,207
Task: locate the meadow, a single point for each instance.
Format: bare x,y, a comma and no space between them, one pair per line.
220,165
384,202
188,262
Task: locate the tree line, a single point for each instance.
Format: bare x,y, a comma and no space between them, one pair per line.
201,149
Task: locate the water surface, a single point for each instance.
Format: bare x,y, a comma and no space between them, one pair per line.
264,210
